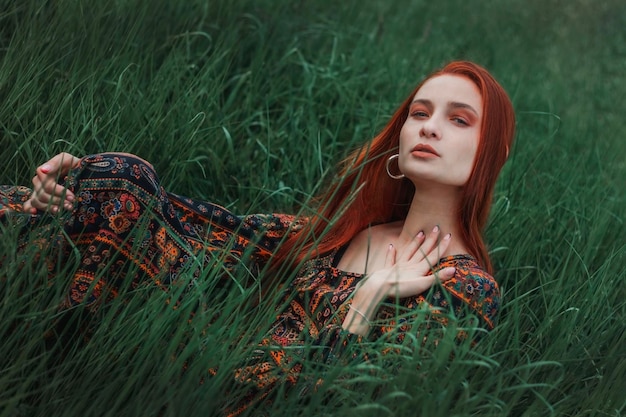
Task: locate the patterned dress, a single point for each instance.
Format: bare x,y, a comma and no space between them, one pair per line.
124,217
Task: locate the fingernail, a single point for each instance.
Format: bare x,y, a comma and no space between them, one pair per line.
390,246
69,197
451,270
45,168
448,236
420,234
67,206
436,229
55,209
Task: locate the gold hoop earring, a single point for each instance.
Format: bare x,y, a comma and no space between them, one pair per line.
394,176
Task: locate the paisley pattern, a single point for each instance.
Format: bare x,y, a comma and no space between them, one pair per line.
124,221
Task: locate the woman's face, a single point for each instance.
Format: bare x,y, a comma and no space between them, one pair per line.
439,139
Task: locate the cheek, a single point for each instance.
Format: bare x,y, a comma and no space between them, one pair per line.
467,155
468,145
407,135
470,151
405,140
473,148
402,139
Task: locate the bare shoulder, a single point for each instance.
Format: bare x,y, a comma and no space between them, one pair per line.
381,234
368,249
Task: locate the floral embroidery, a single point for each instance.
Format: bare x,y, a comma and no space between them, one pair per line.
130,206
119,223
85,197
110,208
87,215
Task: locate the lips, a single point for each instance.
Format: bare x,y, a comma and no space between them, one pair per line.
425,149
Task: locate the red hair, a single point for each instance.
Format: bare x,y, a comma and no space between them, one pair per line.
365,195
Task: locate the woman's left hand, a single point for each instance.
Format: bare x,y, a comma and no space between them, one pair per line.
405,274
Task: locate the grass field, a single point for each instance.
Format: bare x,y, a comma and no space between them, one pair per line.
251,104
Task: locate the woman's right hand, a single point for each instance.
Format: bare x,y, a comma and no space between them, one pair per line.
48,194
405,274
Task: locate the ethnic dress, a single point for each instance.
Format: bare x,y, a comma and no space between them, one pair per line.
122,216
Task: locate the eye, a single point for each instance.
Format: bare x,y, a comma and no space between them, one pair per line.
419,114
460,121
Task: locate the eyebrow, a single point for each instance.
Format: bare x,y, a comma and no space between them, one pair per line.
452,104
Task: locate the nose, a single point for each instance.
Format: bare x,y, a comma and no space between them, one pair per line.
430,129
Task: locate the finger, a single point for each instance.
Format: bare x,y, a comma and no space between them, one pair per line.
390,258
27,207
445,273
50,172
42,203
410,249
48,199
430,243
435,253
59,164
54,190
48,196
48,184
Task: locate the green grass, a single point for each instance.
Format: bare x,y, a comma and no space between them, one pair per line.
251,104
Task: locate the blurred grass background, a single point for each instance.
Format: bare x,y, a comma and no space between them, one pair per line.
250,104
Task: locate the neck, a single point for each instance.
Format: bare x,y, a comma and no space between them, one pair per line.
434,205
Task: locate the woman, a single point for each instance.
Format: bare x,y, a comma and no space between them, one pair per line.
408,210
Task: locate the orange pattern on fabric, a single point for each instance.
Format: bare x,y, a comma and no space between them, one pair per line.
122,213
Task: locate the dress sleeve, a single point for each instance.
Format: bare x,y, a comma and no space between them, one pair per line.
472,295
253,236
122,209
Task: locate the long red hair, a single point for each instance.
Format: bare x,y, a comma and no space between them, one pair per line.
365,195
